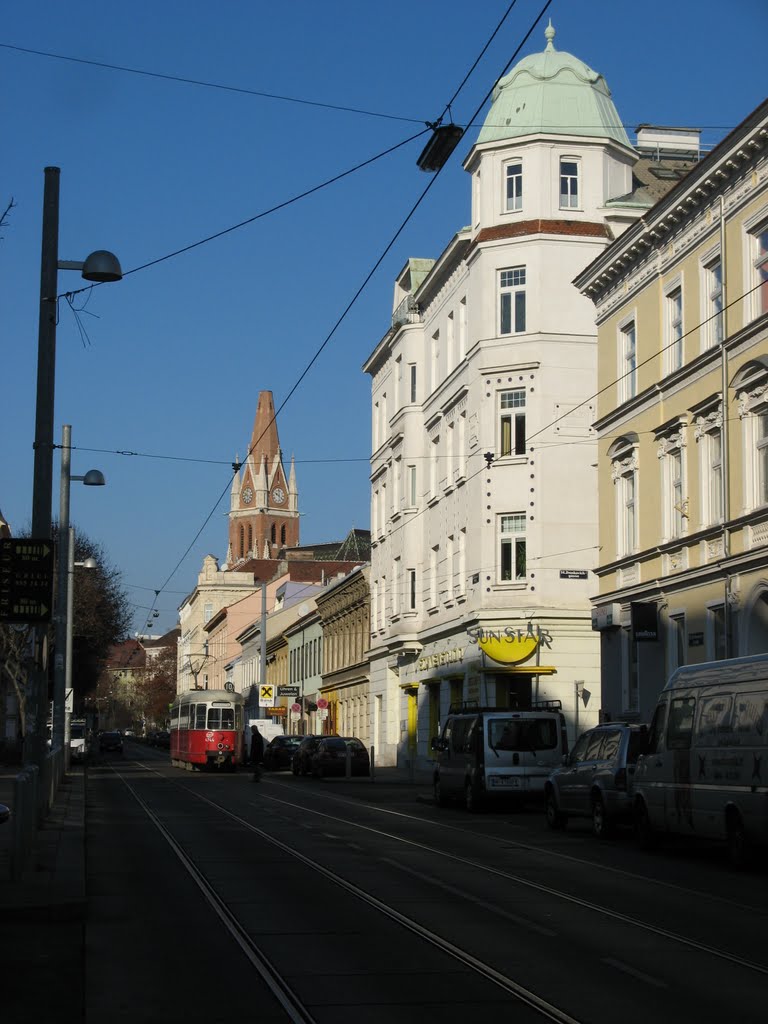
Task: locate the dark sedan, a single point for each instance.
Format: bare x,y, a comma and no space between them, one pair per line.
279,752
333,753
300,761
111,742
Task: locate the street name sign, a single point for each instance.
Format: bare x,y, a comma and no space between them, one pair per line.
26,580
288,691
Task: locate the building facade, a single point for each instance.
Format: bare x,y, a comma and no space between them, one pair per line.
344,609
483,486
682,313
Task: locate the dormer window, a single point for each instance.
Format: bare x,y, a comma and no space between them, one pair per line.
569,184
515,186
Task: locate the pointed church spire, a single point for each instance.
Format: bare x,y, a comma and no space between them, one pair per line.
264,440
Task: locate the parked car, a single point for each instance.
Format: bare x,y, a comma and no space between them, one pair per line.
300,761
330,757
596,779
111,741
488,754
162,739
279,752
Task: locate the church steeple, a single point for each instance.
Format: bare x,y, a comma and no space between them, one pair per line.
264,514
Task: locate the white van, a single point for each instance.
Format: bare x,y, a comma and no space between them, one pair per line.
706,770
484,754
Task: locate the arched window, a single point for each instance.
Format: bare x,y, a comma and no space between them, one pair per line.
242,542
273,533
282,535
250,537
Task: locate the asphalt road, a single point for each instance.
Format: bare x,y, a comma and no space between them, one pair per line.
213,898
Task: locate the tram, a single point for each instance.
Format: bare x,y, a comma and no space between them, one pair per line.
207,729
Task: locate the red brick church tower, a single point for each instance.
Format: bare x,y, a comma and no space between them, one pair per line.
264,503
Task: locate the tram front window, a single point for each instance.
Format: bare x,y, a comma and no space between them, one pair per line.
221,718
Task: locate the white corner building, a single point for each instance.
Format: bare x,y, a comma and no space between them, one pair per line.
483,482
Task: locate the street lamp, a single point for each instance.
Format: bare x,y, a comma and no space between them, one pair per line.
66,563
100,266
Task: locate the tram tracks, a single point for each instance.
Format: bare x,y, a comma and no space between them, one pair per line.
543,1007
294,1007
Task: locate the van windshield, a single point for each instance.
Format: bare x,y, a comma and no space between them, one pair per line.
522,734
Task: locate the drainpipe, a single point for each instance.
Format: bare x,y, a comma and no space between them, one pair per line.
726,498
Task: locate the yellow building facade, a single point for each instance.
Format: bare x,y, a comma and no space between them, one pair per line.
682,423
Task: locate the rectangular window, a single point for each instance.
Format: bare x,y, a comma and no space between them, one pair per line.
412,368
674,341
512,553
515,186
410,597
716,623
207,612
675,504
512,297
512,439
435,359
711,464
628,361
629,510
462,329
713,294
569,184
761,269
395,586
761,449
450,341
433,556
677,638
412,496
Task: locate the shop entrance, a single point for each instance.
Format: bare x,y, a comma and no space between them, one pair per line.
514,691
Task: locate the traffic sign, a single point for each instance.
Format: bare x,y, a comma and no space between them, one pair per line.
288,691
266,695
322,704
296,708
26,580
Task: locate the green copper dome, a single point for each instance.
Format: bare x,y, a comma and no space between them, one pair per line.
553,93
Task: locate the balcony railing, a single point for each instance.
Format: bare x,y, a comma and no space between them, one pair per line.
406,313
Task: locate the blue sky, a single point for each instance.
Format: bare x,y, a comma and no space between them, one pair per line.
177,353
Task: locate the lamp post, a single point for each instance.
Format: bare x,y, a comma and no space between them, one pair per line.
66,567
100,266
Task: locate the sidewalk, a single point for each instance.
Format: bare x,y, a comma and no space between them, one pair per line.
52,888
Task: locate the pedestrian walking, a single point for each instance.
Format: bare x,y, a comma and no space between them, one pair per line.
257,752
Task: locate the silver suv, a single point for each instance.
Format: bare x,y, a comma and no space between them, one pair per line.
595,780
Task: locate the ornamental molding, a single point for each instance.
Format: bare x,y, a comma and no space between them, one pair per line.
706,423
670,245
622,467
671,443
749,400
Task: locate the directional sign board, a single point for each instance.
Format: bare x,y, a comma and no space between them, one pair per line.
266,695
288,691
26,580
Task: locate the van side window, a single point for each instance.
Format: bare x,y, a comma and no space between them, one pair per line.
610,746
750,720
680,728
460,730
657,728
579,749
714,722
593,747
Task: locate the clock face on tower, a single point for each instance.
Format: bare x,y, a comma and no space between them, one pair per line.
247,495
278,495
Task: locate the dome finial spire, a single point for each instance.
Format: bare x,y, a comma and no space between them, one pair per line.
549,33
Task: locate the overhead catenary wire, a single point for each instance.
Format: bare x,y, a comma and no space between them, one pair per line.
346,310
302,101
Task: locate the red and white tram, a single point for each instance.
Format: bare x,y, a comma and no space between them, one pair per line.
207,729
